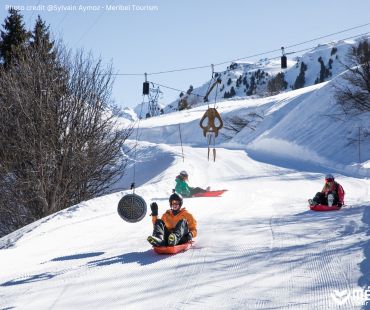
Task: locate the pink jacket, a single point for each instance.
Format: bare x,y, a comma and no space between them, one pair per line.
334,187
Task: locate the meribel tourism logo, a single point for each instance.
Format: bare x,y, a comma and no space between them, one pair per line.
353,296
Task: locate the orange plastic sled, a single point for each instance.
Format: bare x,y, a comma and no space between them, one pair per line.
172,249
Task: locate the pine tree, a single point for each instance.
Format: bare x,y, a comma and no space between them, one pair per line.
330,62
324,72
14,39
300,80
252,86
40,39
277,84
245,81
232,92
239,81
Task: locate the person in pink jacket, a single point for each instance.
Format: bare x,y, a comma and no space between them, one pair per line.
331,194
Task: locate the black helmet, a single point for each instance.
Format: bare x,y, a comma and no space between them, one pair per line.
176,197
183,173
329,178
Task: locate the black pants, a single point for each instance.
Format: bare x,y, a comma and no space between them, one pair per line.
320,198
196,190
181,231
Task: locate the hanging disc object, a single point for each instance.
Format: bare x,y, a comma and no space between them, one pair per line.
132,208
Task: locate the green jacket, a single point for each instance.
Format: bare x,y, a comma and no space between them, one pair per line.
182,187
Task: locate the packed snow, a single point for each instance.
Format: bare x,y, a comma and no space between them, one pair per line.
258,246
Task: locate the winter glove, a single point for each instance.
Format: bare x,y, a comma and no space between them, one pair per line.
154,208
340,204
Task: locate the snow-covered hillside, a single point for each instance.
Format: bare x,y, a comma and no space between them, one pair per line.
300,125
245,79
258,246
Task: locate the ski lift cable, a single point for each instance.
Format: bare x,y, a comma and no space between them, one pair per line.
246,57
271,58
210,84
90,27
306,49
135,148
65,14
322,37
176,89
30,18
163,72
294,45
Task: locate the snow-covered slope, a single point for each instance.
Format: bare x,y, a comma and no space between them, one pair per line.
258,246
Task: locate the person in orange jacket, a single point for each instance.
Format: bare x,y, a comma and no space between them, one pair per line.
176,226
331,194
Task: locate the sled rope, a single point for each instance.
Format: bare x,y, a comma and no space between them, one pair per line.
182,149
135,147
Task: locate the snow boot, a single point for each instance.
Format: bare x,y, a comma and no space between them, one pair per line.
155,241
172,240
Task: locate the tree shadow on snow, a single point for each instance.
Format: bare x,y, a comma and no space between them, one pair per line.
76,256
295,164
30,279
364,280
142,258
289,163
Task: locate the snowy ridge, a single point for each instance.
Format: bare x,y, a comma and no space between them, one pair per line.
245,79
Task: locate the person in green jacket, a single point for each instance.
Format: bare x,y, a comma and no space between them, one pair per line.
183,188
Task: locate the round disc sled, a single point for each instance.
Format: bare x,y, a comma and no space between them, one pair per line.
210,193
324,208
132,208
173,249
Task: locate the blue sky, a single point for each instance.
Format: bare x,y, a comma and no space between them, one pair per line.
151,36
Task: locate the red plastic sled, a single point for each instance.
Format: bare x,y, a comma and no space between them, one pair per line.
172,249
210,193
324,208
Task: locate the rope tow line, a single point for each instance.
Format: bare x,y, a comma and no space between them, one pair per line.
210,129
132,207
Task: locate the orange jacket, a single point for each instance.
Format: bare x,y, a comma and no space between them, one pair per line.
171,220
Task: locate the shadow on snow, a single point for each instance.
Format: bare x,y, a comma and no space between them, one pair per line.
76,256
141,258
364,280
30,279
